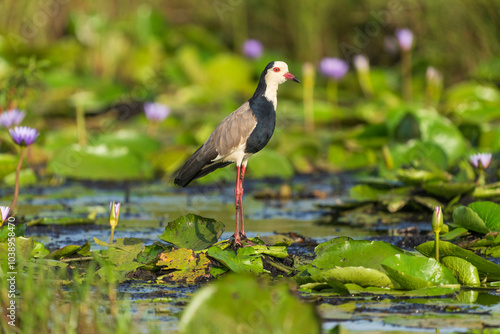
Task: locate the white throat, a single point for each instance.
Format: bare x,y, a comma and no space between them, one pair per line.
271,93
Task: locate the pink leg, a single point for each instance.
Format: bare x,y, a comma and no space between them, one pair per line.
242,224
237,203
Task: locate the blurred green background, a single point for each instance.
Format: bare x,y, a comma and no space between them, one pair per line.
106,58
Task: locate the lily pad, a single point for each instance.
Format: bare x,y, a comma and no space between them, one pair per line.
482,217
413,272
193,231
18,230
188,265
69,250
448,189
356,275
245,260
100,162
463,270
346,252
485,268
252,306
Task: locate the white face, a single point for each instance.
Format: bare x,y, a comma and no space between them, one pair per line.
277,73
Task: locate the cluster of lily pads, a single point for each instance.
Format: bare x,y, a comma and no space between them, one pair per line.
189,251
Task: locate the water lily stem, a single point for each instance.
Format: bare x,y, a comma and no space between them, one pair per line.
281,267
308,73
406,73
16,185
437,246
112,234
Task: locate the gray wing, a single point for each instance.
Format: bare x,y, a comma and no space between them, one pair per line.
231,134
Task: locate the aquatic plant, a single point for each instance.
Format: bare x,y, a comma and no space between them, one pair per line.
4,214
253,49
434,85
480,161
437,225
405,41
155,113
11,117
114,213
334,69
22,136
362,65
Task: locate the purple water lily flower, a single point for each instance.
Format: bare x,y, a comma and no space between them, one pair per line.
334,68
405,39
253,48
23,135
480,160
156,111
11,117
4,213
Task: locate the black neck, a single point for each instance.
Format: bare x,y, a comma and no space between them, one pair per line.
261,87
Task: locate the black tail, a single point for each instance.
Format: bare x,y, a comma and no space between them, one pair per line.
196,166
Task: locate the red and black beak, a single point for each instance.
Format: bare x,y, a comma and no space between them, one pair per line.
290,76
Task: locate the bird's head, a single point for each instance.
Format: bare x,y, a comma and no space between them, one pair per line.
277,72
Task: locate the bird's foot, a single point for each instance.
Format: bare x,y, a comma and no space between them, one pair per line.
242,241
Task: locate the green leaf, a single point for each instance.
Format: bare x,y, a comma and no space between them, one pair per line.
249,305
417,176
69,250
188,265
246,259
8,164
357,275
193,231
485,268
26,178
269,163
413,272
18,230
469,219
136,142
448,189
100,162
347,252
489,213
465,272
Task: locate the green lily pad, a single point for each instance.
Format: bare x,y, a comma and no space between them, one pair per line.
26,248
83,250
8,164
245,260
465,272
250,305
418,176
346,252
448,189
413,272
123,253
485,268
100,162
481,216
356,275
188,265
26,178
193,231
18,230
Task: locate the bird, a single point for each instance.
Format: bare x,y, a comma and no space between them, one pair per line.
244,132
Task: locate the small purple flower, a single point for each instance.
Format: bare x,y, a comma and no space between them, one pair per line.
334,68
156,111
405,39
480,160
11,117
23,135
253,48
114,213
361,63
4,213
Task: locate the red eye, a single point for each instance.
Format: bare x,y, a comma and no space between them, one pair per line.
276,69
